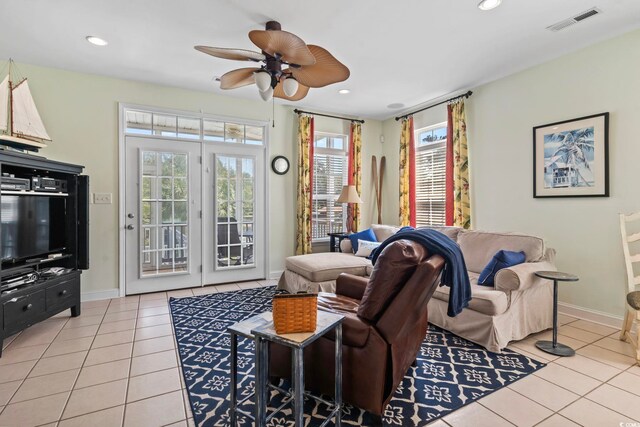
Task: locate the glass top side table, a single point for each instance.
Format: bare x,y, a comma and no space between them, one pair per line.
554,347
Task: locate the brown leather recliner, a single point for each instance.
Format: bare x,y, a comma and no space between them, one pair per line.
384,326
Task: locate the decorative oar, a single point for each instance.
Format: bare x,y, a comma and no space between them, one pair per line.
383,161
374,172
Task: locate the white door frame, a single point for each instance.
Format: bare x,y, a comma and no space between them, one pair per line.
121,173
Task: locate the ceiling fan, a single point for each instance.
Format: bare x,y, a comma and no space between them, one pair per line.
307,66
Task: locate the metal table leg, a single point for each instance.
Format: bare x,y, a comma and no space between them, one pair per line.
260,408
338,378
298,386
554,347
233,400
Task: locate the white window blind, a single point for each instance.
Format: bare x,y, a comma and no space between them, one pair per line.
329,175
431,175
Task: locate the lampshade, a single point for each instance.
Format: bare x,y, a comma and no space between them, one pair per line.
263,80
349,195
267,94
290,86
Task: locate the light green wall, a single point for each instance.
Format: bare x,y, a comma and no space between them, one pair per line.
500,117
80,112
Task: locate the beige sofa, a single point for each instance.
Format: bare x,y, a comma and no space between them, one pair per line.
518,305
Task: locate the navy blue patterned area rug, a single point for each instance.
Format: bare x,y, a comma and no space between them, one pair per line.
451,372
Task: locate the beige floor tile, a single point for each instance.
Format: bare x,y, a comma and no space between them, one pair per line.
156,295
109,354
125,300
71,346
16,371
569,379
616,399
268,282
154,303
161,319
111,417
7,390
95,398
153,384
34,412
123,315
557,421
609,357
160,410
187,404
183,423
153,362
562,339
46,385
22,354
626,381
153,345
64,362
82,320
614,344
596,328
578,334
153,332
207,290
41,333
119,326
590,414
515,408
75,333
526,353
248,285
530,348
590,367
229,287
545,393
180,293
475,415
96,311
96,303
103,373
634,370
118,308
153,311
9,340
563,319
113,338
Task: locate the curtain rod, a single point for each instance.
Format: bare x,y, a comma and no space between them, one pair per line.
464,95
327,115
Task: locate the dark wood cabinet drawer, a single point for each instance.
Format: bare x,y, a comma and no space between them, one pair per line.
62,292
23,310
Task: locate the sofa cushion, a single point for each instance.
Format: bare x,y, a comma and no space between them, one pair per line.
483,299
367,235
502,259
478,247
365,248
383,232
450,232
325,266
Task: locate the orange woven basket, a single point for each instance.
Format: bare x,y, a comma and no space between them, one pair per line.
295,313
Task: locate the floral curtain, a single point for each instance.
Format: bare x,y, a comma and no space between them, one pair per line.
355,169
461,211
305,184
407,174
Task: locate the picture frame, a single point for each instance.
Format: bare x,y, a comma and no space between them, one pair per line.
571,158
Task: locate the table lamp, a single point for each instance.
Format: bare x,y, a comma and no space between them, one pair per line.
349,195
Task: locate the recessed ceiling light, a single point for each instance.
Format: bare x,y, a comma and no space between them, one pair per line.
97,41
395,105
344,91
489,4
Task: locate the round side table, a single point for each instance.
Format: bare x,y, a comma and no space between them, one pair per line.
554,347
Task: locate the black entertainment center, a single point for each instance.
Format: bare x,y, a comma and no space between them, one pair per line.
44,239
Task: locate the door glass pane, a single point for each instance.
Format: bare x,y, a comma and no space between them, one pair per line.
164,213
235,204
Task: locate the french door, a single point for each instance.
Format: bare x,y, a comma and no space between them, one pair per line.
194,214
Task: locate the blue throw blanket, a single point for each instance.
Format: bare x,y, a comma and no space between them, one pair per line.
454,274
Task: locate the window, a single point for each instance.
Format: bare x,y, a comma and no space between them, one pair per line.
329,175
431,174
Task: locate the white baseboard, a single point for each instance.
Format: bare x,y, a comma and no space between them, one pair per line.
98,295
275,274
590,315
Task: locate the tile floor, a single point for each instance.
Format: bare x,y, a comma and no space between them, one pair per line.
117,365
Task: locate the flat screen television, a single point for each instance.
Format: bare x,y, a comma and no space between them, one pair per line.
28,226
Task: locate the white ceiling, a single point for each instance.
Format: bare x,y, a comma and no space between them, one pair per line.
408,51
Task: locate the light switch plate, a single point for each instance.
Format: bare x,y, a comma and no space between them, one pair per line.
102,198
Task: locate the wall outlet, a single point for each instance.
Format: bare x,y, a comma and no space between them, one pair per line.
102,198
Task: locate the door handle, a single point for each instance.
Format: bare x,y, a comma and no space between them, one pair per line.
131,216
130,227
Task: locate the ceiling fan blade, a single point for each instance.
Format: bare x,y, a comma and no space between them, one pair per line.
278,92
291,47
327,69
238,78
235,54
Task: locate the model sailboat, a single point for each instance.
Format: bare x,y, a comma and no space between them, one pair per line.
20,122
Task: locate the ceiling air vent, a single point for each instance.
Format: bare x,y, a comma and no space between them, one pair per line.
574,19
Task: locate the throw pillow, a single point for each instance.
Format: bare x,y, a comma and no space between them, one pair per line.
365,248
502,259
361,235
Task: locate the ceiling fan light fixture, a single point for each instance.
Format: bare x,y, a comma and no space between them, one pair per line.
96,41
263,80
290,86
266,95
344,91
489,4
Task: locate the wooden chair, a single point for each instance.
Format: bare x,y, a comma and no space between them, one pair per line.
633,296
